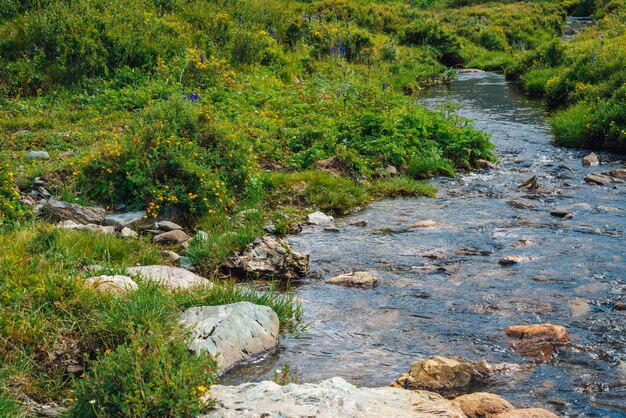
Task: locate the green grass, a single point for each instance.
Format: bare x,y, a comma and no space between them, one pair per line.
401,186
535,81
569,126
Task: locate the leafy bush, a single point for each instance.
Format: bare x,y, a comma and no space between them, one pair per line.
535,81
153,376
433,34
167,161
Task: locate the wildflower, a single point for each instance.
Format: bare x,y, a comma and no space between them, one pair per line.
271,32
319,16
384,86
201,389
93,401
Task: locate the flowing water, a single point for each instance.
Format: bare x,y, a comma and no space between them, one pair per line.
460,304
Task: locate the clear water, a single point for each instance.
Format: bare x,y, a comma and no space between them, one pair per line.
461,304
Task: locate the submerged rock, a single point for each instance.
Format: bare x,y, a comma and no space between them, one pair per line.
510,260
537,340
424,224
232,333
619,173
170,277
360,279
59,211
268,257
591,160
328,399
598,179
117,284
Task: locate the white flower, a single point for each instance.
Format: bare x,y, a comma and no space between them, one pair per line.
93,401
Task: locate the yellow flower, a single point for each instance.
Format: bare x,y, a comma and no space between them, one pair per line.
201,389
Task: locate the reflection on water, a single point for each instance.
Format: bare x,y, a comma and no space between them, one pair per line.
459,305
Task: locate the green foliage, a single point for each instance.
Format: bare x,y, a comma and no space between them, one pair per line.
401,186
429,164
535,81
320,190
286,375
154,375
167,162
569,126
432,33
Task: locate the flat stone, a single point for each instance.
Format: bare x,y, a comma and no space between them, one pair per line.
330,398
537,340
117,284
319,218
591,160
522,203
168,226
358,223
38,155
171,237
126,219
331,229
169,277
598,179
486,164
513,259
232,333
482,404
360,279
59,211
619,173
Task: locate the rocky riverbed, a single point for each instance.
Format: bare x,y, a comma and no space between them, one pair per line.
528,242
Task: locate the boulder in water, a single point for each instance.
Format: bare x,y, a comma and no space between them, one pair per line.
537,340
482,404
591,160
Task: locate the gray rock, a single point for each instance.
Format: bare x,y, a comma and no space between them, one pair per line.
268,257
128,233
201,236
168,226
331,229
43,193
591,160
170,277
619,173
328,399
59,211
360,279
232,333
126,219
391,170
319,218
119,285
170,256
171,237
38,155
186,263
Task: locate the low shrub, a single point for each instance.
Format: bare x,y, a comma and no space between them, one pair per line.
154,375
535,81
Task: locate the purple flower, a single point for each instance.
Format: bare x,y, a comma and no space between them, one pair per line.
319,16
384,86
271,32
333,50
202,59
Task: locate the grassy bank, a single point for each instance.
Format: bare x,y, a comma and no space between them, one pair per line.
581,79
